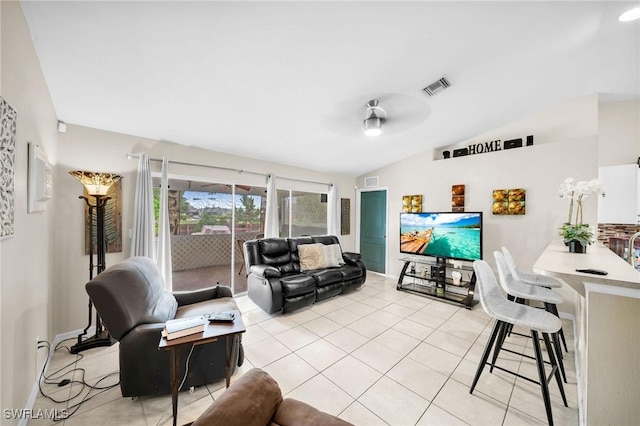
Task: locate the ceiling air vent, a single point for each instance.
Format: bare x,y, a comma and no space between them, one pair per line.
370,181
436,86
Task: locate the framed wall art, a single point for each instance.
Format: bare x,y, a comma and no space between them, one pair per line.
509,201
457,198
412,203
40,179
7,168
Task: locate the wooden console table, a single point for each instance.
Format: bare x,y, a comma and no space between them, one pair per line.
607,337
212,332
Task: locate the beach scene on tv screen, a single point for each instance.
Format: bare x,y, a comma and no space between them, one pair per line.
453,235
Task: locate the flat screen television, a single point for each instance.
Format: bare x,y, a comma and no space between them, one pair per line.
442,234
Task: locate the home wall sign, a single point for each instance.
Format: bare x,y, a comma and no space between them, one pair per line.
490,146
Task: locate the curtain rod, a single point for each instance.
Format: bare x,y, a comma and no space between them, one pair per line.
159,160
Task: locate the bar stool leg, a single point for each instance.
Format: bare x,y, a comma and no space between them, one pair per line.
554,311
502,335
554,362
542,375
556,344
485,355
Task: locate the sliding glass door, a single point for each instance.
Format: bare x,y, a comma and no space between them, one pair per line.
208,223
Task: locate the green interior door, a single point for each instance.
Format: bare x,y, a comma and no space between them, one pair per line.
373,228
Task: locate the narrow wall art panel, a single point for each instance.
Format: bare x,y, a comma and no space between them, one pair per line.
7,168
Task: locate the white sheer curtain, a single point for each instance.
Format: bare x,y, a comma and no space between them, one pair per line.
143,239
271,215
164,237
333,213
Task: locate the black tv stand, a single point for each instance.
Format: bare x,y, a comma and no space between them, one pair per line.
432,278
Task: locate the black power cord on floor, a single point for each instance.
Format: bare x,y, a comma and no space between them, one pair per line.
58,377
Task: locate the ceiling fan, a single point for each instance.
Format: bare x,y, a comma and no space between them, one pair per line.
393,112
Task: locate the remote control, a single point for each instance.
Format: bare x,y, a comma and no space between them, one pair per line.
592,271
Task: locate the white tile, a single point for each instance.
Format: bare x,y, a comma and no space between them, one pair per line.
414,301
343,316
377,356
399,310
361,309
352,375
449,343
302,315
394,403
426,318
321,354
254,334
321,393
441,309
435,358
527,398
346,339
518,418
341,302
436,416
392,294
265,352
397,341
420,379
413,329
498,385
290,372
322,326
376,302
386,318
368,327
357,414
277,325
257,316
476,409
297,338
469,331
324,307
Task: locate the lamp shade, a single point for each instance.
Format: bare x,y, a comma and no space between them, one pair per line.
95,183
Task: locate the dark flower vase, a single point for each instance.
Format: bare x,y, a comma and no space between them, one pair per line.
577,247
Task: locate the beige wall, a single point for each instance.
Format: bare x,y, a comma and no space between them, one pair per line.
619,133
565,145
26,277
96,150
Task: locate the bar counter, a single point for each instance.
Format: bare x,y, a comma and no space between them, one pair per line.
607,331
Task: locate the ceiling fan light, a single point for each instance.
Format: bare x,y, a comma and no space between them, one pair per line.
630,15
373,126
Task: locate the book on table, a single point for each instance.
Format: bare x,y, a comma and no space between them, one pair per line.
181,327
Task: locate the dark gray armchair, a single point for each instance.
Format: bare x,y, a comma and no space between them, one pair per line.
134,307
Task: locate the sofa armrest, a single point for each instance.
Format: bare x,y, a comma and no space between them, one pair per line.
351,258
249,401
292,411
195,296
265,271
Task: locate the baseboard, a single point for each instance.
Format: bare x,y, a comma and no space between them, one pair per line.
35,390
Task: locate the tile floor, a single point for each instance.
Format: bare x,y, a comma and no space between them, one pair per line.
375,356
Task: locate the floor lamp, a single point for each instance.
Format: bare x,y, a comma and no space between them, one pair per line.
97,185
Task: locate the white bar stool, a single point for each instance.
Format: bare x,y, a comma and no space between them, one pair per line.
521,292
508,313
533,278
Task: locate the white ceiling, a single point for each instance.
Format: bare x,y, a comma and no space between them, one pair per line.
288,81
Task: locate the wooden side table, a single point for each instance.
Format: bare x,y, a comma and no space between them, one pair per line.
212,332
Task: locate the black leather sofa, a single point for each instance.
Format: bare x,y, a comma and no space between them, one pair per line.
277,283
134,306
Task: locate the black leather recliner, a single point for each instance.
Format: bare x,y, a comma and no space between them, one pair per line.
134,307
276,283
